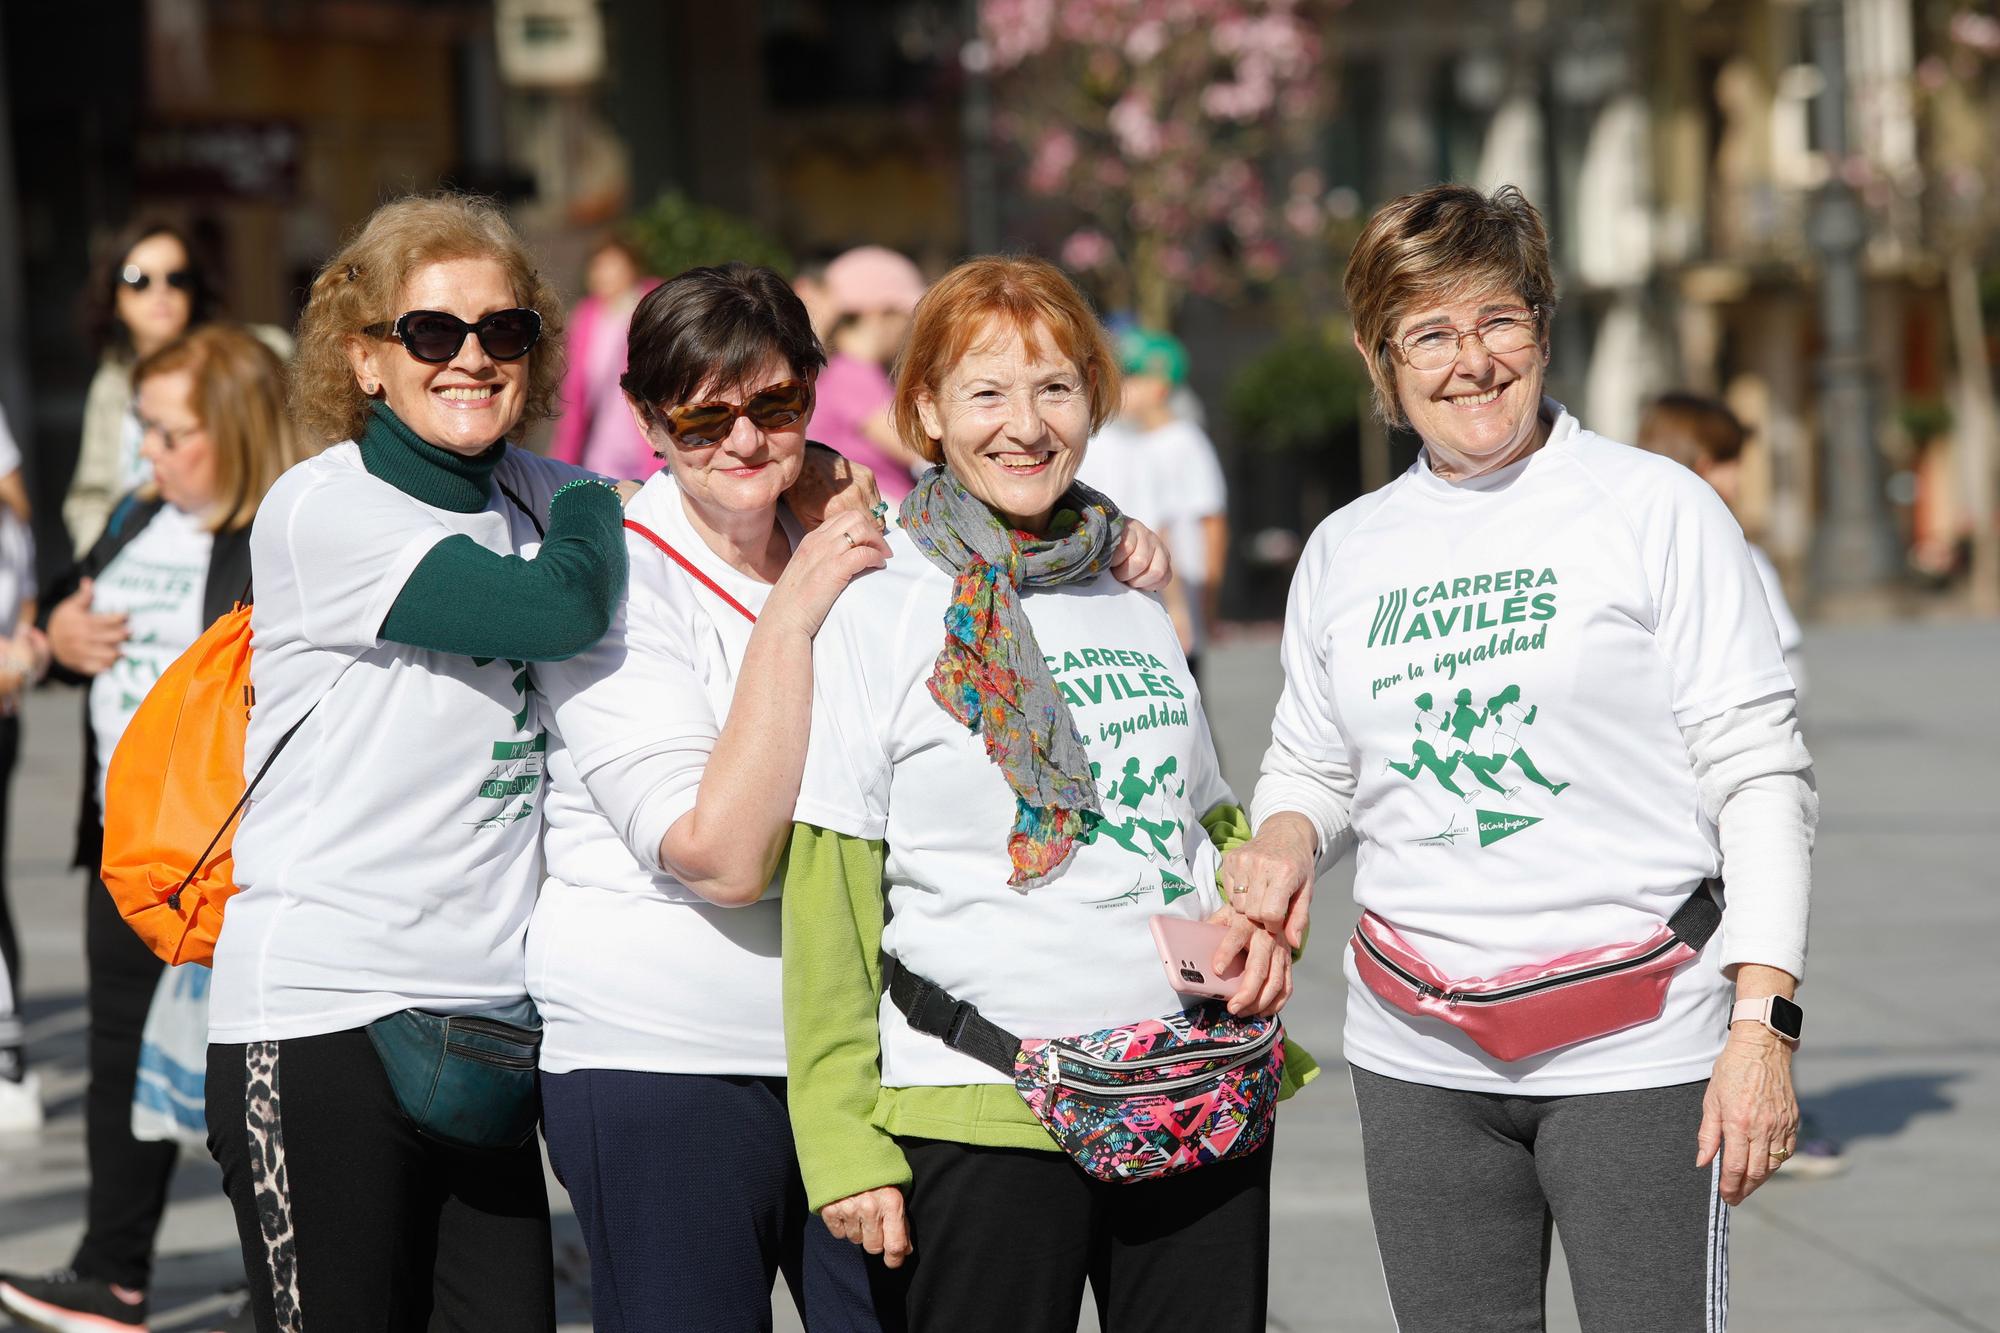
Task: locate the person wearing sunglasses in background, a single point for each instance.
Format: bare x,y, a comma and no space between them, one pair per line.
149,288
674,760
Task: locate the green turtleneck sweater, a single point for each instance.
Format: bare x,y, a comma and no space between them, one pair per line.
463,598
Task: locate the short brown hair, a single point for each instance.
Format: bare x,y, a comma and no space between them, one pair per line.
1431,245
716,323
1027,293
1690,429
363,282
239,396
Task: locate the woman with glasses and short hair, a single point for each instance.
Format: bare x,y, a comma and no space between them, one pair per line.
215,433
1535,682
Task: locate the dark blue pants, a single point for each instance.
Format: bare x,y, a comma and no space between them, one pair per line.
687,1188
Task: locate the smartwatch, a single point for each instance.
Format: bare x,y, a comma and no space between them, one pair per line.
1774,1012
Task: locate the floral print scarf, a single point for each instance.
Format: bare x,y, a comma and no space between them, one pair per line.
990,674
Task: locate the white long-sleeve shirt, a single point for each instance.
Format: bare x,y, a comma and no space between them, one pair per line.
1543,705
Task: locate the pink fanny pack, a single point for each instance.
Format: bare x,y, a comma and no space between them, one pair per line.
1537,1007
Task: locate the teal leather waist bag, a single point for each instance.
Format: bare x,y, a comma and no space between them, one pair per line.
465,1079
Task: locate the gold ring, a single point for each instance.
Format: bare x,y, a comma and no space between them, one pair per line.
850,539
1780,1154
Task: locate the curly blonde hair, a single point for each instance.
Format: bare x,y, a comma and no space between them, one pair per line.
362,284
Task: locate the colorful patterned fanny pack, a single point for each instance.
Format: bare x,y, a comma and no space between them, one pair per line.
1134,1102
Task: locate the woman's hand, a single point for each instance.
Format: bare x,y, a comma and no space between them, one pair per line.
829,484
872,1219
82,640
1142,560
1749,1111
1269,881
1266,983
826,561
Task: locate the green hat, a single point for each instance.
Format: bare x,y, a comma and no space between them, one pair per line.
1144,352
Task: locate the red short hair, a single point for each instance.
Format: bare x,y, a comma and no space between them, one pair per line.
1031,295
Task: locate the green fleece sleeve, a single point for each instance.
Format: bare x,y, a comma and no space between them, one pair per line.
463,598
833,914
1228,826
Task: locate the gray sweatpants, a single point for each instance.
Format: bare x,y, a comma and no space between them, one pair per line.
1466,1188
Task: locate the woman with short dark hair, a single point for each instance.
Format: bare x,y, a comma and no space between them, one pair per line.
674,757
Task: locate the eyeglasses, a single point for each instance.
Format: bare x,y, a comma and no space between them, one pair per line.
181,279
694,425
1436,347
171,439
433,337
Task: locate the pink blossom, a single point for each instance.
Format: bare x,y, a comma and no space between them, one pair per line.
1302,214
1054,156
1145,41
1138,132
1981,32
1086,249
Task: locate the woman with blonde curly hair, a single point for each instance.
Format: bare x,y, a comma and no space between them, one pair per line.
371,1095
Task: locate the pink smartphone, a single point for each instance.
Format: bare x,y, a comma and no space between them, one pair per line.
1186,950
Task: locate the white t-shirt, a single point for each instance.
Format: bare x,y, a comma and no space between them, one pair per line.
391,856
157,581
1505,665
1173,478
1075,954
630,968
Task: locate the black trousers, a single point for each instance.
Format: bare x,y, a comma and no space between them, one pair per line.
128,1178
1005,1238
351,1220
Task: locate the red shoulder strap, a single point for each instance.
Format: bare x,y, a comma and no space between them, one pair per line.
699,577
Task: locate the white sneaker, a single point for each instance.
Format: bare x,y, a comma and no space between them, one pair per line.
21,1105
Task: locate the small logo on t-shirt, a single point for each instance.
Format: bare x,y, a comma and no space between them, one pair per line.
1497,824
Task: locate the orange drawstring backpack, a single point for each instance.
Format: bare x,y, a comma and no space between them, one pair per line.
174,793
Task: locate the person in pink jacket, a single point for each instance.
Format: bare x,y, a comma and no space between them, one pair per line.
594,429
871,292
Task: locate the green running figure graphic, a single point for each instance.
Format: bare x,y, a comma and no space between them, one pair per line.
1503,712
1508,719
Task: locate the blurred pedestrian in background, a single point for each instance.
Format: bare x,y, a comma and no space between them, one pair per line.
997,613
1624,732
1166,466
151,286
215,433
809,283
23,658
1704,435
595,429
870,291
388,866
675,751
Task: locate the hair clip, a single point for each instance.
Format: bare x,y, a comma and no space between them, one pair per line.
353,273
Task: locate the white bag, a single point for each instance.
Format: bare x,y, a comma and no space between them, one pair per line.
167,1103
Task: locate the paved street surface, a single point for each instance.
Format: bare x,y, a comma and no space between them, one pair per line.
1902,1055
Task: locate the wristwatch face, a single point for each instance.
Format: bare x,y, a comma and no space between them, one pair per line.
1787,1018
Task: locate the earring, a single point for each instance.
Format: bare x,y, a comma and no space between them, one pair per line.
370,388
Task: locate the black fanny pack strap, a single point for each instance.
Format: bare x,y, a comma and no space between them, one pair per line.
933,1011
1694,922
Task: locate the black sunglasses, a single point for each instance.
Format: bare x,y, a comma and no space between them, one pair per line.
433,336
181,279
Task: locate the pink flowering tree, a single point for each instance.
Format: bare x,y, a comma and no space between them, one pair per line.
1155,128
